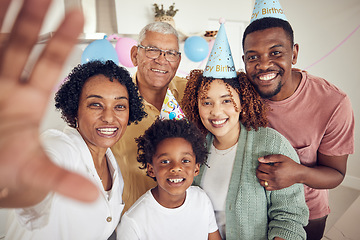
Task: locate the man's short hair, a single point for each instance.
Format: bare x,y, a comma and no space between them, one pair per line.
269,22
158,27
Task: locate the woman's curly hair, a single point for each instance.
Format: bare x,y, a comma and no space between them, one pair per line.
253,108
68,96
163,129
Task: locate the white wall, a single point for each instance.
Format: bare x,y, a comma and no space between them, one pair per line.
191,18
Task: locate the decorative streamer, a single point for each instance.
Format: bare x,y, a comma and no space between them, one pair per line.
333,50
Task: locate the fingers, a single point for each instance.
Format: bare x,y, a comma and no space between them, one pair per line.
46,176
30,176
265,168
270,159
22,38
4,5
29,167
263,177
51,61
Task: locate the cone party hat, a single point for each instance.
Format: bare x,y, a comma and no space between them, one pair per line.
171,108
220,63
267,8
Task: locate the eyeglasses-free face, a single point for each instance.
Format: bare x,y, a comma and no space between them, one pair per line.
153,53
103,112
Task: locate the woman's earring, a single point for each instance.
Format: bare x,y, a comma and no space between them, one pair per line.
76,124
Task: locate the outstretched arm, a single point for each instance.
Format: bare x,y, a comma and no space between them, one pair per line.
25,170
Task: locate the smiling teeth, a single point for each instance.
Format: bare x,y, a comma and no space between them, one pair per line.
177,180
157,70
267,77
107,131
219,122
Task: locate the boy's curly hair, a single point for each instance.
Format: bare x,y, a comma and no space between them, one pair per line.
164,129
253,109
68,96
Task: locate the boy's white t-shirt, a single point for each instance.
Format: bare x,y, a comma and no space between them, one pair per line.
147,219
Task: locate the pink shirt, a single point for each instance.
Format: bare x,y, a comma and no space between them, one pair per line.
317,117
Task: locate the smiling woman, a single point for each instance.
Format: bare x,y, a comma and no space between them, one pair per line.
103,112
98,101
102,119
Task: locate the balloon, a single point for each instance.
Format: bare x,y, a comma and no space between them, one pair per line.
101,50
196,48
123,47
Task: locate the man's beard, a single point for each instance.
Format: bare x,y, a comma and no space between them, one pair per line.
268,95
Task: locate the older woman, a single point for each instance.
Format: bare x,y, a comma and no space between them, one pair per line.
98,101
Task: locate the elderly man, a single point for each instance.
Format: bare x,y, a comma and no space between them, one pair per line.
157,58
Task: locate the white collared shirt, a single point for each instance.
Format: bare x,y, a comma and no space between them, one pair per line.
58,217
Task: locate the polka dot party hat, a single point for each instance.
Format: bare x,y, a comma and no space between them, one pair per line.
220,63
267,8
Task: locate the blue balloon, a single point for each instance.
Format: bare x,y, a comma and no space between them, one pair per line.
196,48
101,50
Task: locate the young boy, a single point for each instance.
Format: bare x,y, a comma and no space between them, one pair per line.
171,151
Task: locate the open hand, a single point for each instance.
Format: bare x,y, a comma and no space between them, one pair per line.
24,166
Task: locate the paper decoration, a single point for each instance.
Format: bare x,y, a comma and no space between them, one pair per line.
171,108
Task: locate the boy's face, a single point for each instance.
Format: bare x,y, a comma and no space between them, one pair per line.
174,166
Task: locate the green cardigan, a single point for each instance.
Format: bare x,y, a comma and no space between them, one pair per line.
252,212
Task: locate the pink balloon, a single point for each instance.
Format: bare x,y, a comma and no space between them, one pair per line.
123,47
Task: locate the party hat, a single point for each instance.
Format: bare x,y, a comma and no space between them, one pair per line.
171,108
220,63
267,8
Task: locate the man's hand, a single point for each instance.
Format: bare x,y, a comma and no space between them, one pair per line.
25,170
277,172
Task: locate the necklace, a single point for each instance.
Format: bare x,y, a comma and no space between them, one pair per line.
103,169
225,151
